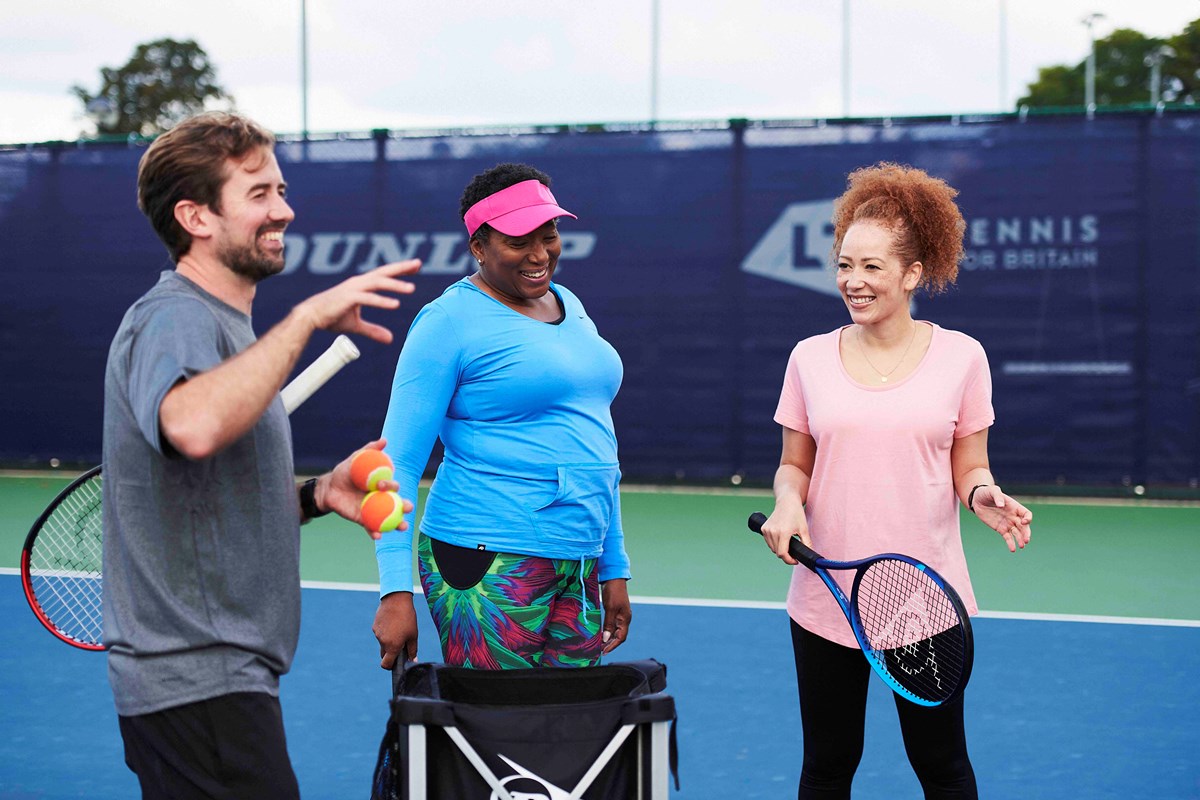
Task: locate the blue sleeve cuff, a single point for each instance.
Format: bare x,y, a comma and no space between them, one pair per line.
614,562
393,551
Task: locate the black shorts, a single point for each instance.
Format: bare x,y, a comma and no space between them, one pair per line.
230,747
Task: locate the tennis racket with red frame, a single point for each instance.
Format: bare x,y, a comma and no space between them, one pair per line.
909,622
61,562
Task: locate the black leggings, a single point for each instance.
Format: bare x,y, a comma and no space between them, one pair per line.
833,706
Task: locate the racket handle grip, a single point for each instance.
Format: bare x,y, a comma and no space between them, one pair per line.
796,548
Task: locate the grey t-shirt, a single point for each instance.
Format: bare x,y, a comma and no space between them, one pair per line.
201,558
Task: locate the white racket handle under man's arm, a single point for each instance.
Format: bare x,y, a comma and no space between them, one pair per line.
339,354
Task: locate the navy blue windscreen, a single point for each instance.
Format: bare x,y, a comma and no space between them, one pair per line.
702,256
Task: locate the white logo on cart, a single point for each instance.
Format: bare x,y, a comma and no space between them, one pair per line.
552,791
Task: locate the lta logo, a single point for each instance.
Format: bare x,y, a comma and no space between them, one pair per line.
796,249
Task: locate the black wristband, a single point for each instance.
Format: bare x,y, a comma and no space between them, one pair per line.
308,500
971,496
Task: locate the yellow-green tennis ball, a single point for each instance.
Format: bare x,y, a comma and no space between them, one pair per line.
382,511
369,467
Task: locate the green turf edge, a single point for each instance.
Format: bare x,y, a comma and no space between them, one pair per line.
1132,560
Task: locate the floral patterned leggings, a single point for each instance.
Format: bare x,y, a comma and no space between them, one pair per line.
510,611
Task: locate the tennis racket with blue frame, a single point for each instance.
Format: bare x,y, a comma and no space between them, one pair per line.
910,623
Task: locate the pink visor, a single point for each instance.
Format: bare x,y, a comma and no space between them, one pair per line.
517,210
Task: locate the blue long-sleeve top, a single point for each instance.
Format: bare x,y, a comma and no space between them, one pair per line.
522,409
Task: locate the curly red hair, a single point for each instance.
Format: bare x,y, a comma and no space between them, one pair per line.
917,207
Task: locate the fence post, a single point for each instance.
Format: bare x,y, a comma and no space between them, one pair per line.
380,173
1141,346
737,305
380,135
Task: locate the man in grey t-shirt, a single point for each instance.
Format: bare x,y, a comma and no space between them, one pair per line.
201,509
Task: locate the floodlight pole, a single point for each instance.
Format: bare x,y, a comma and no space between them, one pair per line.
1155,60
653,61
304,69
1089,85
845,58
1003,55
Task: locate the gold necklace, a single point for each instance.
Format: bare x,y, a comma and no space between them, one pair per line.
883,376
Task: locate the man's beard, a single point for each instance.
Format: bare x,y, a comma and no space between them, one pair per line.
249,262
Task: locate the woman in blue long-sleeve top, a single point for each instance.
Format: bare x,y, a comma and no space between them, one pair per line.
520,546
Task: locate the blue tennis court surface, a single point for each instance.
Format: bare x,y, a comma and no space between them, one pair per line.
1055,709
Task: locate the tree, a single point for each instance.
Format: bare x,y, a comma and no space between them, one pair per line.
1123,68
162,83
1181,71
1122,74
1059,85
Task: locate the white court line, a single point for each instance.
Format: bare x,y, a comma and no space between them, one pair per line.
780,606
775,606
347,587
771,605
740,491
1174,623
650,601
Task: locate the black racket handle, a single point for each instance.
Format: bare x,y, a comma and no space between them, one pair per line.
796,548
398,668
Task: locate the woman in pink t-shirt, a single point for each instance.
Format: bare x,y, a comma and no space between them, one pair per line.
885,425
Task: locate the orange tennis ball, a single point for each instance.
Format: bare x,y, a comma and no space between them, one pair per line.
382,511
369,467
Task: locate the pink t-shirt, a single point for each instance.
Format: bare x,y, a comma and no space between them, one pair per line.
882,481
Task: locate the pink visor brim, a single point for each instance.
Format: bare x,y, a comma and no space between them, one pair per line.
516,210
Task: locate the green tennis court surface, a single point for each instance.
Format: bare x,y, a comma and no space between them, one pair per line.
1130,560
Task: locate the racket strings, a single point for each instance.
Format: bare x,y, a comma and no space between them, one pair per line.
913,626
65,564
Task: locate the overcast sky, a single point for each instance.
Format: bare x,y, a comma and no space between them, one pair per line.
374,63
